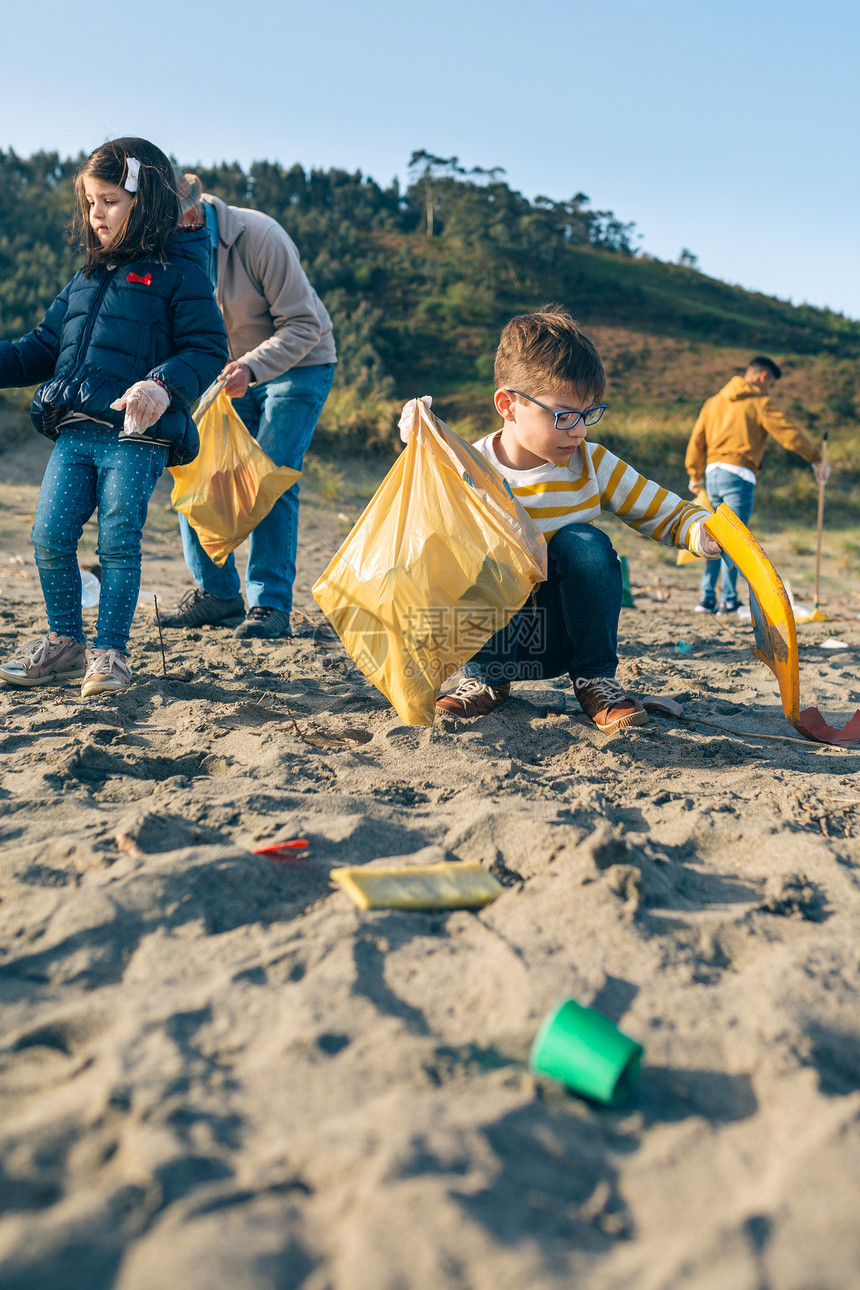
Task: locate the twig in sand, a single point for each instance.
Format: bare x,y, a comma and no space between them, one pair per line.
755,734
324,740
160,637
296,726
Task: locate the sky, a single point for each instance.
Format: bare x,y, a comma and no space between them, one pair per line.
725,129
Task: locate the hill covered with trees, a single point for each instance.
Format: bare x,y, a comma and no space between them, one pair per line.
419,282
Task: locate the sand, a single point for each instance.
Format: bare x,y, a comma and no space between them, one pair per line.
216,1072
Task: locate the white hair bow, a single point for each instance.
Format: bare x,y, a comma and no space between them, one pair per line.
133,168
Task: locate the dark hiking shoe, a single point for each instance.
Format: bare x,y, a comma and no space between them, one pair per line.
264,622
46,660
197,609
472,698
728,610
607,703
706,607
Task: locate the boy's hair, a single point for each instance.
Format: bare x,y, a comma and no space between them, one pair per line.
762,364
545,350
154,212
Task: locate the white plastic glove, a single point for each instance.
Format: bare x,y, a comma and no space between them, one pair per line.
822,471
405,422
701,543
144,402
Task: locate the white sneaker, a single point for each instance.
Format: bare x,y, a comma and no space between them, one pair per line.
107,669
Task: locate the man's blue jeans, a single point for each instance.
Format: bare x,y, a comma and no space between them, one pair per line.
281,414
570,624
91,467
739,495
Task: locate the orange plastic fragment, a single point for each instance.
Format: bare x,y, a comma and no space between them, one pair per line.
775,631
811,724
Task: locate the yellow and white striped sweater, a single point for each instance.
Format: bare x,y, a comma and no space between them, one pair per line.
597,480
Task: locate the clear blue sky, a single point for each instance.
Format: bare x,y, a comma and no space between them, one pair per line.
729,129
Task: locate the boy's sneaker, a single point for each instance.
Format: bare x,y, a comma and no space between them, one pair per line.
706,607
263,621
198,609
107,669
45,661
472,698
607,703
728,610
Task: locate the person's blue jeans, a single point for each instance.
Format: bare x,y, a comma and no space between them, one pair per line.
739,495
90,468
281,414
569,624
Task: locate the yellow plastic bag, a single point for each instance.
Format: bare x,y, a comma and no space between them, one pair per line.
231,484
441,559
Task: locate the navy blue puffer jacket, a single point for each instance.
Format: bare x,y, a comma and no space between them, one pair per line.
142,319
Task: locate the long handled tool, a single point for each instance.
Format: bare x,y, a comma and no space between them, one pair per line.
817,615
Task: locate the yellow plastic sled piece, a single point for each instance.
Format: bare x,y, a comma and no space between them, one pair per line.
773,619
448,885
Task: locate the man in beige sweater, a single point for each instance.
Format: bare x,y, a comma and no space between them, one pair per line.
724,457
282,358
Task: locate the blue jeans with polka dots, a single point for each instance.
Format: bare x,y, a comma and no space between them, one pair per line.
89,468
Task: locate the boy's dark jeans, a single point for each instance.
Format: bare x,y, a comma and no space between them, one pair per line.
570,625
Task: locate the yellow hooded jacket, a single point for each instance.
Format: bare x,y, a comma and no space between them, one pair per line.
733,427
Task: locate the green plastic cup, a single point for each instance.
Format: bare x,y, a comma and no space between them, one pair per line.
585,1051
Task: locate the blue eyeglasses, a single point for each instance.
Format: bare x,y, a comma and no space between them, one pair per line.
567,420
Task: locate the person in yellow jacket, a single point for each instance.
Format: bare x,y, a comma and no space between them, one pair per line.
724,457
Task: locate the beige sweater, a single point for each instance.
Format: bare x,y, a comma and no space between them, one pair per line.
274,319
733,427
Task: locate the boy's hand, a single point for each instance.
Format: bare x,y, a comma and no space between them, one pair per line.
145,402
405,422
822,471
696,485
710,548
700,542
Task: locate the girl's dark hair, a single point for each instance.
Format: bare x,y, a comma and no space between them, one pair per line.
154,212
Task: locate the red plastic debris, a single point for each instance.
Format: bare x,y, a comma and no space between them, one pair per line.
295,849
812,725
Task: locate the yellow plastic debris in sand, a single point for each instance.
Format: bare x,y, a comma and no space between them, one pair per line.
775,632
448,885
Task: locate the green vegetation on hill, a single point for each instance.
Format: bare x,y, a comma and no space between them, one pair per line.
420,281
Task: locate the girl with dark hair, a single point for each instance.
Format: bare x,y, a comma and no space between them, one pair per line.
123,351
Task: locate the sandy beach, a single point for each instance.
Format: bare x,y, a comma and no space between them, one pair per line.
216,1072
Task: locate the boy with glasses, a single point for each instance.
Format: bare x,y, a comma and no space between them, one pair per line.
549,384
